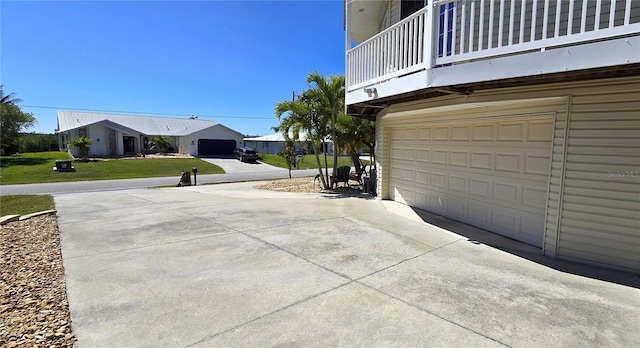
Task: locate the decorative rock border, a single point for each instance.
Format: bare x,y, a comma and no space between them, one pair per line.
11,218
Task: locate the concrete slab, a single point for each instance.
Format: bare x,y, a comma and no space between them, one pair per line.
178,293
229,265
350,316
514,301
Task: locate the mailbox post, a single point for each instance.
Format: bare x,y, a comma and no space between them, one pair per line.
195,176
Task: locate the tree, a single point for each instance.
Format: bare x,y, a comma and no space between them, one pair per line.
12,122
329,93
82,144
288,152
160,143
354,134
302,114
37,142
9,98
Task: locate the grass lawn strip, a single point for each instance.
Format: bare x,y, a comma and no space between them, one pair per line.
37,168
25,204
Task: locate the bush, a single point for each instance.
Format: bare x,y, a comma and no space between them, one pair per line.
82,144
37,142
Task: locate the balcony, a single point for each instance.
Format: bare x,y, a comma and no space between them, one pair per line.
465,42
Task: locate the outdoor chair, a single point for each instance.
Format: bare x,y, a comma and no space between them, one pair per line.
342,176
357,175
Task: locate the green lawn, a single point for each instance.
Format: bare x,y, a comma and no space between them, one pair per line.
25,204
307,161
37,168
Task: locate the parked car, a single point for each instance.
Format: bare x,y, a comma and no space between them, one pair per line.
245,154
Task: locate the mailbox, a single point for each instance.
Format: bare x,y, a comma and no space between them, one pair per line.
195,176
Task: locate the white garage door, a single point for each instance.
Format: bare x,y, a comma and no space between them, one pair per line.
493,173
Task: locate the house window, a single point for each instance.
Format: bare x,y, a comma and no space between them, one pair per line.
82,132
445,10
145,143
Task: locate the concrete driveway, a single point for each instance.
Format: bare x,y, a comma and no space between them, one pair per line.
232,165
228,265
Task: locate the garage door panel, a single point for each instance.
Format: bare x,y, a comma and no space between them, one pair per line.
534,197
457,183
481,160
506,192
537,164
439,156
508,162
491,174
460,132
459,158
511,131
483,132
540,130
457,207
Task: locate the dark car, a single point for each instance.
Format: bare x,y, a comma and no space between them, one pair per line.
245,154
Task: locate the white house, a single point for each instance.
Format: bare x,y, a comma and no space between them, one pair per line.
120,135
518,117
272,143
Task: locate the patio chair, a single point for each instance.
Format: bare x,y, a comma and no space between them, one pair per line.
342,175
357,175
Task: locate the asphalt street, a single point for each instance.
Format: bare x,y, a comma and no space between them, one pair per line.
235,172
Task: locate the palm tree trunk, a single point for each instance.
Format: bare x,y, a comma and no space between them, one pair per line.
335,154
355,159
326,164
317,155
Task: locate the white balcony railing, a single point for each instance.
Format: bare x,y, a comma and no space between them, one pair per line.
454,32
399,50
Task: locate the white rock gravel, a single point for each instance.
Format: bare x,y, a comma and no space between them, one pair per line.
304,185
34,311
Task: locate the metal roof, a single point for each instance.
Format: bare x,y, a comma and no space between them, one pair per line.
68,120
302,136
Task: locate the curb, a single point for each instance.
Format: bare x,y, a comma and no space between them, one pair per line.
11,218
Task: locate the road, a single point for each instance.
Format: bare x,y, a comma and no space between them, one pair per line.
123,184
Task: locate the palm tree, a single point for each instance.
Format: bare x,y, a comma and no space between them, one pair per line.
354,134
302,115
329,92
9,98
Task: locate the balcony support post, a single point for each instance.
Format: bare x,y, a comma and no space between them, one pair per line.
430,35
347,43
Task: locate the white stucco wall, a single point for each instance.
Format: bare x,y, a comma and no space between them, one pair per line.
99,135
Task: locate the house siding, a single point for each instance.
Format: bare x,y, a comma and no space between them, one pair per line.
593,201
601,201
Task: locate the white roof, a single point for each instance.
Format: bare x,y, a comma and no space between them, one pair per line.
68,120
302,136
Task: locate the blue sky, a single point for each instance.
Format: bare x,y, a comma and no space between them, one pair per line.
229,61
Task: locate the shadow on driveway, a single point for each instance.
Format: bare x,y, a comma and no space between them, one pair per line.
528,252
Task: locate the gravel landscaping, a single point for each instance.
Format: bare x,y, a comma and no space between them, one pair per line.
33,302
305,185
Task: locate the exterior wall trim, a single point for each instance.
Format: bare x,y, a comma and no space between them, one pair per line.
567,127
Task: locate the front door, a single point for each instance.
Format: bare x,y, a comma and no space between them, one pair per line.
129,144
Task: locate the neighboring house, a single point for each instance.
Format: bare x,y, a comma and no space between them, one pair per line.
121,135
272,143
518,117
